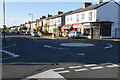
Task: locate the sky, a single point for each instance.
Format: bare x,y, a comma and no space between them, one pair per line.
18,12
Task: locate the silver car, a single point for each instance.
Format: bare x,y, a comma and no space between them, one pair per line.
34,34
74,34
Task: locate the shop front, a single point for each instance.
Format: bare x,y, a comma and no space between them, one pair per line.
77,27
98,29
57,30
66,29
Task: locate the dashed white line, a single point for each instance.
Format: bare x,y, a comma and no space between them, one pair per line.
90,65
114,65
9,53
71,67
106,63
66,71
84,69
100,67
58,69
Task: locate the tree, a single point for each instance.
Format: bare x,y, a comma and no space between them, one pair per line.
45,30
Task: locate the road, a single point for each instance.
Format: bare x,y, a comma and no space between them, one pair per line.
98,59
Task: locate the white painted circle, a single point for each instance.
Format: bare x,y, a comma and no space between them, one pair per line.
77,44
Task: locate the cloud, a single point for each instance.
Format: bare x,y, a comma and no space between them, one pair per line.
14,21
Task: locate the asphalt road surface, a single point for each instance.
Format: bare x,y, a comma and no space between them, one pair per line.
66,59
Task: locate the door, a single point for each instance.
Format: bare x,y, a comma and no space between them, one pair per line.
117,33
96,32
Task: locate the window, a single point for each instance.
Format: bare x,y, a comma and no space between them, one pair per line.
83,16
87,31
90,16
67,18
55,21
106,30
52,21
71,18
77,18
58,20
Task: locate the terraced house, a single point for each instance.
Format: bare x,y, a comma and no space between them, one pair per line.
57,21
95,21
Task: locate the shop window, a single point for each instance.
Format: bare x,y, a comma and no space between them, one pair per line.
87,31
106,30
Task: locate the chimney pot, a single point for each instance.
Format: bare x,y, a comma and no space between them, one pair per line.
59,12
100,1
86,4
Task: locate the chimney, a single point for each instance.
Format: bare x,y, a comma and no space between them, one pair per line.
37,19
86,4
25,22
49,15
43,17
100,1
59,12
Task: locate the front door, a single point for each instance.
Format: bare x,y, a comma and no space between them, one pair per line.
96,32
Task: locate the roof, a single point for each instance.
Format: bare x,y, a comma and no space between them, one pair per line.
91,7
55,16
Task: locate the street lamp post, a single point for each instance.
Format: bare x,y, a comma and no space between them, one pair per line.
4,18
32,21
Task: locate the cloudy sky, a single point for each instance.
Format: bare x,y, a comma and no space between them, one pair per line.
17,11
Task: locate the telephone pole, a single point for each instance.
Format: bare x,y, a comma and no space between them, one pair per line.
4,18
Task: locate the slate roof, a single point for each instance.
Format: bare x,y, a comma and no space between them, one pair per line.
89,8
80,10
62,14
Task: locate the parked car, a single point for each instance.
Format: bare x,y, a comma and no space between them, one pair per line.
75,34
17,32
27,32
34,34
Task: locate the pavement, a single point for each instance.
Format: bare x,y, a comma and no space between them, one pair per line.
41,56
50,37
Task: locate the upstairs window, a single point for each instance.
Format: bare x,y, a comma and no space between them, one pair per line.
58,20
67,18
83,16
90,16
71,18
52,21
77,18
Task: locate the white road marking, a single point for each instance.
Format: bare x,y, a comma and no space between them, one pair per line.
58,69
66,71
84,69
81,54
46,46
90,65
9,53
77,44
47,74
71,67
100,67
109,46
106,63
9,46
114,65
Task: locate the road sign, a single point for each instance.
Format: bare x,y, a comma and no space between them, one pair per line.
68,26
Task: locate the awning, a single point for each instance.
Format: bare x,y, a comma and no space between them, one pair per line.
67,27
